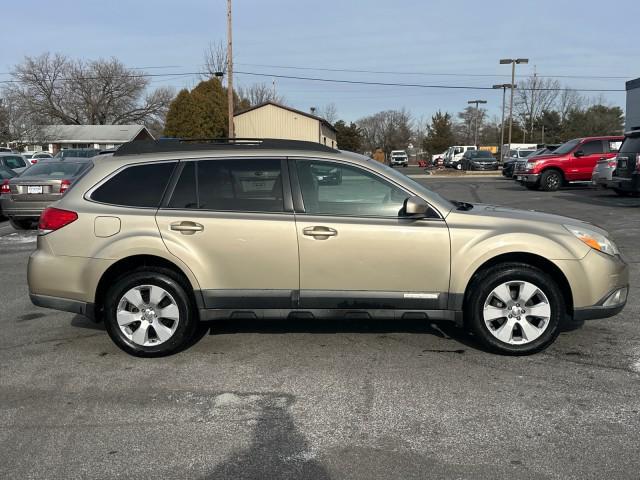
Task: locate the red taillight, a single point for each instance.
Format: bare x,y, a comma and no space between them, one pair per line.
56,218
64,186
613,163
4,188
33,161
638,162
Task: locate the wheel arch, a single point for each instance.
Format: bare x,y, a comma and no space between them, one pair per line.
534,260
556,168
130,263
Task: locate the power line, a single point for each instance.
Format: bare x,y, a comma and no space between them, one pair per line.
349,82
384,72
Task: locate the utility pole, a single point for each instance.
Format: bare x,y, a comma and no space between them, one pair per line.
477,115
513,62
533,98
230,70
504,87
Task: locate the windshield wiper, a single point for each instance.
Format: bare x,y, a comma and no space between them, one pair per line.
462,205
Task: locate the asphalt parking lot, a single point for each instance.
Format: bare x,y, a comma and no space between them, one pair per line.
325,400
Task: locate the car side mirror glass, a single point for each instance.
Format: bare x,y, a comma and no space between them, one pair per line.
415,207
578,154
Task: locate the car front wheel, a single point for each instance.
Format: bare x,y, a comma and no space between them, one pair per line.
515,309
148,313
550,181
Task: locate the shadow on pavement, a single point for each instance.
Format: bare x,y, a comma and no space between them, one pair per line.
277,449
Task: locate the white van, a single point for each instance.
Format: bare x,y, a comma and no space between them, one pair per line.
506,153
454,155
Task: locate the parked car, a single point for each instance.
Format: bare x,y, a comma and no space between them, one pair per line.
77,153
33,157
509,165
6,174
454,155
507,150
478,160
603,172
13,161
626,177
247,231
25,197
573,161
399,158
6,150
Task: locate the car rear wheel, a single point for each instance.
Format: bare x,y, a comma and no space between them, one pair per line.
550,181
515,309
459,166
22,224
148,313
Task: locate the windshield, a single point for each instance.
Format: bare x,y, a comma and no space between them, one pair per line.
526,153
482,154
77,153
55,169
566,147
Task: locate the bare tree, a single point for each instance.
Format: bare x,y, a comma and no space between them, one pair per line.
215,59
329,112
533,96
569,100
259,93
389,130
55,89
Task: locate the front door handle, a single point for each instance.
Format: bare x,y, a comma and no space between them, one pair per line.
320,233
186,227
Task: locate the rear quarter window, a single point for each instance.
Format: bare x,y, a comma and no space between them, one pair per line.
630,145
136,186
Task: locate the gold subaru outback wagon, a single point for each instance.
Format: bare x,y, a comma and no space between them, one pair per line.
160,236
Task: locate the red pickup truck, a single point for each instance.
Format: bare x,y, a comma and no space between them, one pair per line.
572,161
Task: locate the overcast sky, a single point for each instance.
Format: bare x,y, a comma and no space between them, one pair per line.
461,37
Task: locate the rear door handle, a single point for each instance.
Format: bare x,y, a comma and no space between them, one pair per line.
186,227
320,233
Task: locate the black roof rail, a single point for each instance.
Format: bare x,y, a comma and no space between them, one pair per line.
167,145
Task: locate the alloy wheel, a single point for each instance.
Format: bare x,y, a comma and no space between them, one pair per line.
147,315
517,312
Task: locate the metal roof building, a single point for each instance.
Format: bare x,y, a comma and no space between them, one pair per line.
272,120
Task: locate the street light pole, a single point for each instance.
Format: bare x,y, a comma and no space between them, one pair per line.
504,87
513,62
476,103
230,71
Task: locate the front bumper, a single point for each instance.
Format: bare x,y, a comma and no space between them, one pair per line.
603,309
527,177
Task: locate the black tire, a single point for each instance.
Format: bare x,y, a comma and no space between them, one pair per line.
22,224
551,180
175,286
621,193
483,284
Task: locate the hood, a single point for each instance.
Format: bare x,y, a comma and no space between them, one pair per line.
508,213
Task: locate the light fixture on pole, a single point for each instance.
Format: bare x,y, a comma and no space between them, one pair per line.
477,103
504,87
513,62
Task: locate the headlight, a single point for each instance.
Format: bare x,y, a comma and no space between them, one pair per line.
531,165
594,240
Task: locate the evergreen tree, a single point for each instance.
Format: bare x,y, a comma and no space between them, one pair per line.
201,113
349,137
439,134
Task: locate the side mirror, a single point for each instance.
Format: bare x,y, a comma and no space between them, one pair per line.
415,207
578,154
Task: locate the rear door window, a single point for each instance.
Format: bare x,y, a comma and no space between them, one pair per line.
592,147
249,185
136,186
630,145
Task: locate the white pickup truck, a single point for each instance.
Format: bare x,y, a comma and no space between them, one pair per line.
399,158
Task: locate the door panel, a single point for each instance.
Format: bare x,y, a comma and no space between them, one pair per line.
228,220
356,251
581,168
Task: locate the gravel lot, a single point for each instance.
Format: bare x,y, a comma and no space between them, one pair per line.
325,400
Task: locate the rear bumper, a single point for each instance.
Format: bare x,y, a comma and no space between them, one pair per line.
22,209
625,184
64,304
